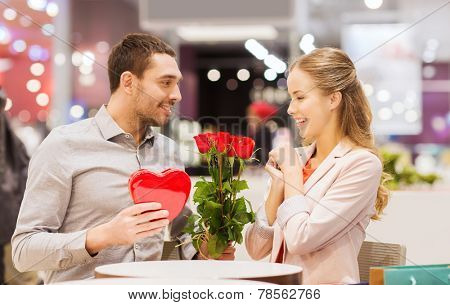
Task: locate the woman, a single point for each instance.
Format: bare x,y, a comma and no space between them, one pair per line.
321,197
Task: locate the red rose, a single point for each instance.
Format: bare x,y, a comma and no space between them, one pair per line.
243,147
223,141
231,152
203,143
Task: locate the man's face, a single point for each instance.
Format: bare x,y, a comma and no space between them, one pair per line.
157,91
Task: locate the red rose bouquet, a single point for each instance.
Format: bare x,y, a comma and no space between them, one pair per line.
221,213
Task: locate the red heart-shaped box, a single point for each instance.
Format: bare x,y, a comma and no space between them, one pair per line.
171,188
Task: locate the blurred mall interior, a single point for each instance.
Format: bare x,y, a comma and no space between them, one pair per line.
232,54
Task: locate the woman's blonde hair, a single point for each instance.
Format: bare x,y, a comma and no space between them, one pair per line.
333,71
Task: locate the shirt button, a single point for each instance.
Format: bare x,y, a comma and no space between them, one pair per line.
136,247
127,136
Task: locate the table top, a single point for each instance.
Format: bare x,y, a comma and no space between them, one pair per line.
210,269
159,281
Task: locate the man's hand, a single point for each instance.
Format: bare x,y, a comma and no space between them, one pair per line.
227,255
131,224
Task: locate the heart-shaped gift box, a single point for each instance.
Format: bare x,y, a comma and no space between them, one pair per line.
171,188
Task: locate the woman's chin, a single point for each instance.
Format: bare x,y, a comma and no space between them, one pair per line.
303,134
306,137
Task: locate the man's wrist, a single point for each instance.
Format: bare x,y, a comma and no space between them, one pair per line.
97,239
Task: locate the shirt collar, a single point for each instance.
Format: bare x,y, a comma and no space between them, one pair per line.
149,134
109,128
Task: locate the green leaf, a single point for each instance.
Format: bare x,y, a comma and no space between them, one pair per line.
226,171
237,233
205,190
227,187
231,162
230,233
189,230
201,208
196,242
252,217
239,205
227,206
240,213
213,211
191,224
213,208
239,185
193,218
251,213
243,218
239,239
216,245
200,183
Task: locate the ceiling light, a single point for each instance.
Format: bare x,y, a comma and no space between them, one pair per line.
226,33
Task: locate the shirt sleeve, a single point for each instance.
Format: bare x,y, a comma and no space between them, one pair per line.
36,243
259,235
308,226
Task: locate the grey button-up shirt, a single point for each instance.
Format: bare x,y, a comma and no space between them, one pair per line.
78,179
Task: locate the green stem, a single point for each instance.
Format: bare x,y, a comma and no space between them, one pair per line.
241,169
209,159
220,161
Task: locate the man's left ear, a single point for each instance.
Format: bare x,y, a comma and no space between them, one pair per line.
336,98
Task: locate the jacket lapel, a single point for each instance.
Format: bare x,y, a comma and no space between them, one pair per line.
340,150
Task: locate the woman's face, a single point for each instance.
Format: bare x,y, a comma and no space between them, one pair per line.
309,107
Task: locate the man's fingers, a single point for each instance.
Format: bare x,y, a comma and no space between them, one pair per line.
148,226
142,207
146,217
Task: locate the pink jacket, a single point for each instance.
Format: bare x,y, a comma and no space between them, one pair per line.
324,229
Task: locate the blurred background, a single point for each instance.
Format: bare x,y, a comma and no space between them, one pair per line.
234,56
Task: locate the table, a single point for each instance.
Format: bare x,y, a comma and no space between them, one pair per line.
159,281
282,274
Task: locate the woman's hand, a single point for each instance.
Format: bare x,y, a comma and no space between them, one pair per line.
274,171
276,192
286,158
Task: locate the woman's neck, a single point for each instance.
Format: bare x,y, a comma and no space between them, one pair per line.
325,144
328,139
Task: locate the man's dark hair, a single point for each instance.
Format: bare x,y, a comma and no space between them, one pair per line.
133,54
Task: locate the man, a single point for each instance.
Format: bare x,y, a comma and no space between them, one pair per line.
77,212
